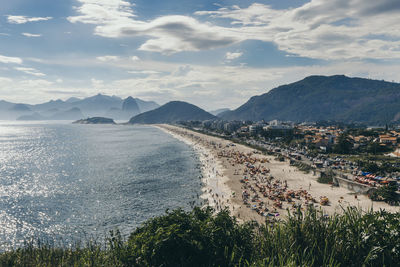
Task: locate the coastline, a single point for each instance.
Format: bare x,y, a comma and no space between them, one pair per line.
215,191
229,181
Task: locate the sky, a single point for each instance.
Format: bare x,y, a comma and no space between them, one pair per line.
214,54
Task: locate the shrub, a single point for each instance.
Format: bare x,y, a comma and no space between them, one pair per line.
386,193
195,238
202,238
326,177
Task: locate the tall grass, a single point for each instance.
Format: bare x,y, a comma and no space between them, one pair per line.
199,238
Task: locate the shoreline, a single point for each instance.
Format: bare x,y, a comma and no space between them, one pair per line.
259,187
215,192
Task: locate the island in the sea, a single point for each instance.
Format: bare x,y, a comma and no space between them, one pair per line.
95,120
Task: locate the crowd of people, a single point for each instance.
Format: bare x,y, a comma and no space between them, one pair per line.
261,192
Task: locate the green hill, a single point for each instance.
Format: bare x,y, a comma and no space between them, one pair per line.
172,112
316,98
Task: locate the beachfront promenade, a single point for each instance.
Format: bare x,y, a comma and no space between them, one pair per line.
259,187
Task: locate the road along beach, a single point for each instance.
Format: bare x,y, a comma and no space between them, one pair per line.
258,187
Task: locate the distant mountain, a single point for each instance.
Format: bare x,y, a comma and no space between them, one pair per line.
11,111
71,114
316,98
219,111
129,109
20,108
146,105
52,104
72,99
114,113
98,104
4,105
130,105
172,112
94,106
32,117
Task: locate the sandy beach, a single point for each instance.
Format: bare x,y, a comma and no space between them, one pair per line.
258,187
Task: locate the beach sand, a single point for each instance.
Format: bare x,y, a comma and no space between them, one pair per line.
223,188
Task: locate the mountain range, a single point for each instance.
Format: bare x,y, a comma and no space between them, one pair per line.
317,98
75,108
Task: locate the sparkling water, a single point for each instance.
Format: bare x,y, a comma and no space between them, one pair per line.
62,183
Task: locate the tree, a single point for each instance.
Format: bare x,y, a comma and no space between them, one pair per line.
344,145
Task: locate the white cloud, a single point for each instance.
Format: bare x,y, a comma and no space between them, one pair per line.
24,19
103,12
30,71
233,55
147,72
172,34
168,34
38,83
335,29
182,70
5,80
135,58
31,34
97,84
12,60
108,58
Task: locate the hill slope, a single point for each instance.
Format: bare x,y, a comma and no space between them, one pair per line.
172,112
317,98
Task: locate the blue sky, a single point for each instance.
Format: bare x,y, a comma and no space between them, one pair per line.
211,53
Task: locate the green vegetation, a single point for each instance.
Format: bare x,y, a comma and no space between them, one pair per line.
280,158
199,238
326,177
287,135
386,193
343,145
375,148
378,165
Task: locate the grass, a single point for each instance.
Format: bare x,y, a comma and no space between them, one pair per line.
202,238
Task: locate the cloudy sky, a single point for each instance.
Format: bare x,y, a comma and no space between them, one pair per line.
211,53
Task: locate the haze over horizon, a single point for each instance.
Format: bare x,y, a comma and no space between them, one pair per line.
210,53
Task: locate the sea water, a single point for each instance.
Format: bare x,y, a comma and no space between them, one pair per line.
62,183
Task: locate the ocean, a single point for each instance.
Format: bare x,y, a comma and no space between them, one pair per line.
63,183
